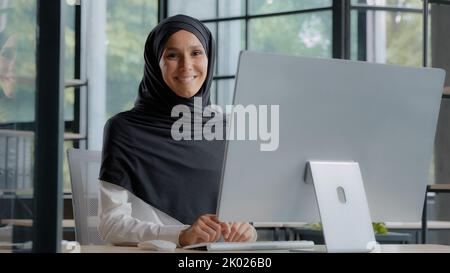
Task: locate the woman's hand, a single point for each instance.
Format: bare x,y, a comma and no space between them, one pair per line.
206,229
237,232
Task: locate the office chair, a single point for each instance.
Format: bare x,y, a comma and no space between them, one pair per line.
84,168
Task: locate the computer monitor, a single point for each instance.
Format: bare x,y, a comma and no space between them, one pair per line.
381,116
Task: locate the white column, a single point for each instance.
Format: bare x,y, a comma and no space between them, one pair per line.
230,45
376,36
95,53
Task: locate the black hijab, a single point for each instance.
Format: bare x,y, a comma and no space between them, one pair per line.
180,178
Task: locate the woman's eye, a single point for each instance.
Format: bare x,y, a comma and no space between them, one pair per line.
171,55
197,53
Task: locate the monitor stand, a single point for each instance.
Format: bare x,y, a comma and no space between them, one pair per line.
343,207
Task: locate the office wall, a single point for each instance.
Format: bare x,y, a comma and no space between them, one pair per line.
440,43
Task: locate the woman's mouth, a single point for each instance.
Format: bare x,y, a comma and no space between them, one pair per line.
185,79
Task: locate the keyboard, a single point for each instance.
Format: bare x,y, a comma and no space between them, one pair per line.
258,245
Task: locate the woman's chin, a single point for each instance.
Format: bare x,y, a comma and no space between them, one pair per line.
186,94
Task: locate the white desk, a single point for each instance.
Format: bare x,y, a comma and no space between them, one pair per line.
131,249
416,227
384,249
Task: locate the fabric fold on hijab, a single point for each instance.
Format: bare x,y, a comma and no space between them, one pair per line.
180,178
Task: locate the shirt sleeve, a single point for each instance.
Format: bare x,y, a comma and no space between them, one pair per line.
118,226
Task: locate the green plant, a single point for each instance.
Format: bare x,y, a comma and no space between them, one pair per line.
378,227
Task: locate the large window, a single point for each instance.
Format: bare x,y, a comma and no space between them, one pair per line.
70,92
17,60
17,118
387,31
127,28
278,26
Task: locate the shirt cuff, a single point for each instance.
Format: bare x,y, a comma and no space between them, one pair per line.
171,233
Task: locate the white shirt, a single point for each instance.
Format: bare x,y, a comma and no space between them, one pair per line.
126,219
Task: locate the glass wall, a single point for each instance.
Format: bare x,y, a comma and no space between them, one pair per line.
392,31
17,120
128,25
387,31
280,26
69,92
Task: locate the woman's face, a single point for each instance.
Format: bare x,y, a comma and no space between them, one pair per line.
184,64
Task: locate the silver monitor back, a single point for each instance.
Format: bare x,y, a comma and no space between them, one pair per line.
382,116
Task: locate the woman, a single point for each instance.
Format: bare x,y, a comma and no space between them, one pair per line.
152,186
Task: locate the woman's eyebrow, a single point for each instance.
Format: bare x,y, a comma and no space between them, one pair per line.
191,47
196,47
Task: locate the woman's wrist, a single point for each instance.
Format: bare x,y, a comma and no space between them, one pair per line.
182,237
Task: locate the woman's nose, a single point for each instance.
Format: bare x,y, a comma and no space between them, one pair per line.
186,63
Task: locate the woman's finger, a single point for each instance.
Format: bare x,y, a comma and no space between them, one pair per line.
239,232
215,226
199,234
213,217
211,232
212,224
246,231
234,230
225,227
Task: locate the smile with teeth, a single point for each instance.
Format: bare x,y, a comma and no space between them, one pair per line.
185,79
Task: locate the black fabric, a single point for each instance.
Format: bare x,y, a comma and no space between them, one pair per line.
180,178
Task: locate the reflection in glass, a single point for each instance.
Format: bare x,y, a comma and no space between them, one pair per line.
69,37
17,61
69,100
307,34
69,52
8,52
17,106
69,73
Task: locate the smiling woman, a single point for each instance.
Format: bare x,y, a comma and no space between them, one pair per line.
153,186
184,64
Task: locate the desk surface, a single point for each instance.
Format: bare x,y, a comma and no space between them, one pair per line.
384,249
407,248
70,223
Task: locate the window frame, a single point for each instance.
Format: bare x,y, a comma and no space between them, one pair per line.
340,10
